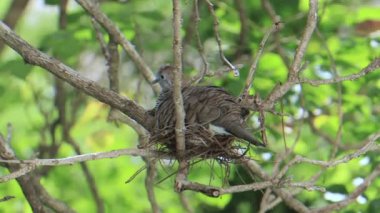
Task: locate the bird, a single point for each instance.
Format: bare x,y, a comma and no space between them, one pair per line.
208,106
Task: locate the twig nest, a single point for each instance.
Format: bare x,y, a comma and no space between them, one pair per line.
200,143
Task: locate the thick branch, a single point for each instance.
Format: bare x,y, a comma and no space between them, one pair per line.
35,57
177,51
177,95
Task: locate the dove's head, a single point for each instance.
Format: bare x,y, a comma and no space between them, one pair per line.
165,77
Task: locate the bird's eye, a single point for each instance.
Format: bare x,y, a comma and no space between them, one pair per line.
162,76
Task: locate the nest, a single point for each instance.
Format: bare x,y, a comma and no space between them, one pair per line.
200,143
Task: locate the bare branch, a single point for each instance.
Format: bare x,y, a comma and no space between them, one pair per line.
110,27
18,173
252,69
88,157
352,197
374,65
99,38
35,57
216,192
48,200
268,7
219,40
301,50
196,79
35,199
177,95
369,146
286,196
151,174
13,15
295,68
185,202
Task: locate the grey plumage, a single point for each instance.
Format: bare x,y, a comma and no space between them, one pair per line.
209,106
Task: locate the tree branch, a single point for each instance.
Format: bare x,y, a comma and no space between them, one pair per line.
177,96
374,65
252,69
295,68
35,57
13,15
286,196
112,30
28,183
219,40
352,197
301,50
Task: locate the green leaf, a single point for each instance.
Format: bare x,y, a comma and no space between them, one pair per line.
337,188
16,67
374,206
52,2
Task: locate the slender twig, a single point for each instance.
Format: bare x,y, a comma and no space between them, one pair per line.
151,174
370,145
185,202
219,40
119,37
34,163
374,65
339,133
352,197
304,42
196,19
286,196
252,69
268,7
88,157
37,200
326,137
6,198
23,170
99,38
295,68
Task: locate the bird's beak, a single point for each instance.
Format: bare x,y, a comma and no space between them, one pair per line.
155,81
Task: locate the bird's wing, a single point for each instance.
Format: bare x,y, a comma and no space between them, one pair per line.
200,105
